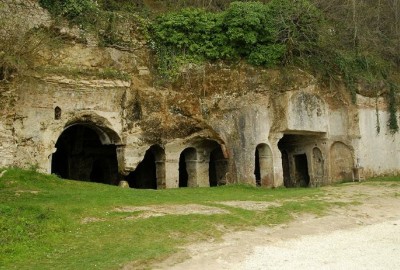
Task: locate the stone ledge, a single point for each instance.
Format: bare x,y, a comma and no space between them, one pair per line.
89,83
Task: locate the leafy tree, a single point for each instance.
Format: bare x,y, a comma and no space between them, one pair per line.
297,24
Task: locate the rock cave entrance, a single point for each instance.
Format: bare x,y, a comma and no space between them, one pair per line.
150,172
263,167
188,167
301,170
218,167
297,151
81,156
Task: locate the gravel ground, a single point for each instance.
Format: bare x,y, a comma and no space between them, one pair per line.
365,236
372,247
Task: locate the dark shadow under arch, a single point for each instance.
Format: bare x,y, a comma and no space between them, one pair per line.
81,156
218,167
187,167
295,158
150,172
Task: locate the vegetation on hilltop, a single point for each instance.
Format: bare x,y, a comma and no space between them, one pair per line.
263,34
355,42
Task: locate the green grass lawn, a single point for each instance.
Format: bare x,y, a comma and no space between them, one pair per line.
41,220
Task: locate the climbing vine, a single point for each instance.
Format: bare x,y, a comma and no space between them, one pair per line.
392,123
378,122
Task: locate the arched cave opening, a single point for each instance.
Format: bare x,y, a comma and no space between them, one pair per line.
187,167
150,172
218,167
81,156
145,174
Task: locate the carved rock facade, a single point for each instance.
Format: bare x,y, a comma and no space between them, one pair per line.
216,124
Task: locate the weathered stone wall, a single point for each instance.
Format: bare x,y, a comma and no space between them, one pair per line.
378,153
35,128
7,117
239,123
222,113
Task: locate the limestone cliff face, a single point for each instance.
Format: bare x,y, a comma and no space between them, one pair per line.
215,124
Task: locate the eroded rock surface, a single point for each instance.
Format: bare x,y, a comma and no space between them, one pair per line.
216,124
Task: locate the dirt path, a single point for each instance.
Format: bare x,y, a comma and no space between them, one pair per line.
365,236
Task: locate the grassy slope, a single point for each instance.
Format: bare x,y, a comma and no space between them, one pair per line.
41,220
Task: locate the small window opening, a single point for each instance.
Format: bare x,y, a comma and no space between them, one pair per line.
57,113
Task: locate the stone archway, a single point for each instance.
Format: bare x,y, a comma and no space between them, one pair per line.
82,155
188,167
341,161
263,167
150,172
209,162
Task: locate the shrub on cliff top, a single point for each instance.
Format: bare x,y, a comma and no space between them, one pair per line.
191,31
263,34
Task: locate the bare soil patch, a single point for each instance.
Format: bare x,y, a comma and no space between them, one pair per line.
251,205
162,210
91,219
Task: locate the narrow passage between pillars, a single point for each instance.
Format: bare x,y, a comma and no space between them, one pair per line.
188,167
218,167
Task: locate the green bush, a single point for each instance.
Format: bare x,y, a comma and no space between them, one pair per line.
190,31
246,26
267,55
121,5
